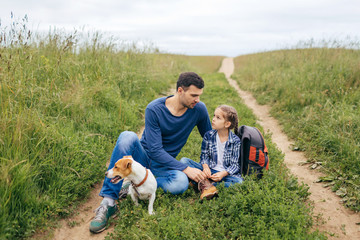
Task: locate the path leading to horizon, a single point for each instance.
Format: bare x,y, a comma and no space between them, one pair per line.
338,219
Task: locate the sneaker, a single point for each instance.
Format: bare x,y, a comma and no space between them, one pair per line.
103,213
207,189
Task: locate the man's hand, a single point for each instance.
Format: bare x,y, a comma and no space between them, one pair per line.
206,170
218,176
194,174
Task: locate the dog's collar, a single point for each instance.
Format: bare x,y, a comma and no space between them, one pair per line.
142,182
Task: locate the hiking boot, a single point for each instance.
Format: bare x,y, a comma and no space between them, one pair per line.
103,213
207,189
194,186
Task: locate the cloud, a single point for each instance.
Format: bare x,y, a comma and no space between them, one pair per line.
198,27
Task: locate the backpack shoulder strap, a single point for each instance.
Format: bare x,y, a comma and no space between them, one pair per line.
245,137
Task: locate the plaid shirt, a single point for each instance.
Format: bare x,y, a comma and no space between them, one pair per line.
231,152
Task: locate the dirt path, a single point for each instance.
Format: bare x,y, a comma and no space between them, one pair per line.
77,227
339,220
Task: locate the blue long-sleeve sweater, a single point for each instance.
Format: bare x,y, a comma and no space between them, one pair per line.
166,134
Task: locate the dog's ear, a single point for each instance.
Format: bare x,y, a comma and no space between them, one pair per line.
129,164
126,163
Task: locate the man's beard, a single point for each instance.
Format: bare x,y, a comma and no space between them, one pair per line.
189,106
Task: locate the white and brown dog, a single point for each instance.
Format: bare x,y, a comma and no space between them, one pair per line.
143,183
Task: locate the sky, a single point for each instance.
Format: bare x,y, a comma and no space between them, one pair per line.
197,27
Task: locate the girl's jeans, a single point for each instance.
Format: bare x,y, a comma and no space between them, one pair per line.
173,181
228,180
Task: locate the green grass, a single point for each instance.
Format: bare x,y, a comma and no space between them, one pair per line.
272,208
315,94
62,106
203,64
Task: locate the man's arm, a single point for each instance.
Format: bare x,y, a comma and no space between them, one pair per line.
204,124
154,143
194,173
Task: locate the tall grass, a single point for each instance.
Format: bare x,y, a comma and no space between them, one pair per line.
315,94
202,64
272,208
63,101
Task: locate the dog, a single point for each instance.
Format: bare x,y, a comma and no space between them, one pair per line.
143,184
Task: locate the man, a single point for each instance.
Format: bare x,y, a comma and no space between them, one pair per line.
168,124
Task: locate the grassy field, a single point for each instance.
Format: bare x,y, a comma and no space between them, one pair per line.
272,208
62,106
315,94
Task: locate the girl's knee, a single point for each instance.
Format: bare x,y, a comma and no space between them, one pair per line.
182,182
178,185
185,160
191,163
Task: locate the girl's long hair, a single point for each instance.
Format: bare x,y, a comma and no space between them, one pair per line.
230,114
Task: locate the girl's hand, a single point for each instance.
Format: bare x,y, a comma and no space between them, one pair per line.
206,170
218,176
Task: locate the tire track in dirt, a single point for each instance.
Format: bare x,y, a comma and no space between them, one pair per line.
338,220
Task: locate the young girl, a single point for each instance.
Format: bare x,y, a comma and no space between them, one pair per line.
220,150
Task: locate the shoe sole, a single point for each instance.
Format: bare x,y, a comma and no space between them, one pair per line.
104,228
99,231
210,195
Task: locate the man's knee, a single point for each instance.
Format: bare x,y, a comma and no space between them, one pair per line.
127,136
126,140
178,185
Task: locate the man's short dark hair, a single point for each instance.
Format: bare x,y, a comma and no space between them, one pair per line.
189,78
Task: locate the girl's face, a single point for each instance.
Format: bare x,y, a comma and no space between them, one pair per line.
218,121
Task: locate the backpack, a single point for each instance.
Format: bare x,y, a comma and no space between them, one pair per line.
253,152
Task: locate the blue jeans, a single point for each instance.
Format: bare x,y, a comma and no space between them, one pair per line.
128,143
228,180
